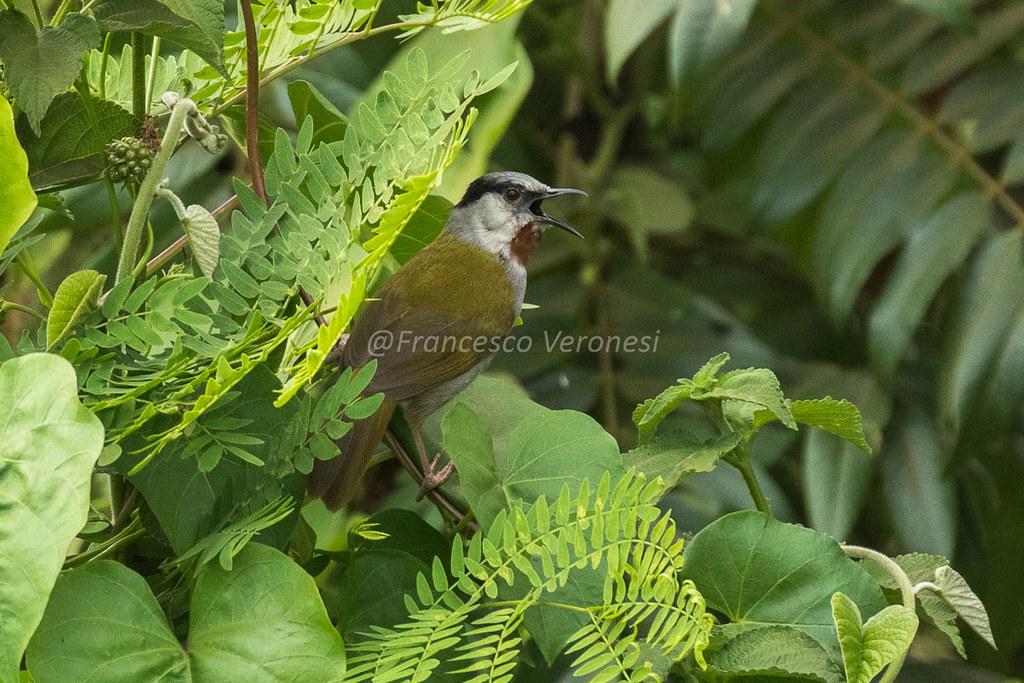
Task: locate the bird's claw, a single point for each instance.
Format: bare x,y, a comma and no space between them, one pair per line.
433,478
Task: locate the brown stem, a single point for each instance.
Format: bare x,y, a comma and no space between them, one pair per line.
252,129
252,102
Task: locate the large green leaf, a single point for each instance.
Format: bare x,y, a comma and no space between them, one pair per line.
757,570
41,63
49,443
16,195
66,150
103,623
702,31
194,24
544,451
263,621
626,25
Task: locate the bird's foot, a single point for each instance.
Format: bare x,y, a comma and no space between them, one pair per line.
433,478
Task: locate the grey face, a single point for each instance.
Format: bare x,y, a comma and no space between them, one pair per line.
513,199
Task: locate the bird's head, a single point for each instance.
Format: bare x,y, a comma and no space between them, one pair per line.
501,213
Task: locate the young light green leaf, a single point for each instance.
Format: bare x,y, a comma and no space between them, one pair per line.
754,386
679,454
51,442
16,195
958,594
841,418
869,648
850,629
76,297
204,236
42,63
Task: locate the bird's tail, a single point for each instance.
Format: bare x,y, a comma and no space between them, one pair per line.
337,480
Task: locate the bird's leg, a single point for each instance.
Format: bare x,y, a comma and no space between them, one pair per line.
431,478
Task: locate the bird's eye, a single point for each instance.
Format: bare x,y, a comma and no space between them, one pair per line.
512,195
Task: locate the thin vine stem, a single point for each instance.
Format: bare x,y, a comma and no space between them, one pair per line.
896,102
140,211
14,306
906,593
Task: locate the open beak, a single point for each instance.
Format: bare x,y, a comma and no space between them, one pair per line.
556,192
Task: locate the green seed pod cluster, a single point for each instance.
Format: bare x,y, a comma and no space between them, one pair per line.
128,160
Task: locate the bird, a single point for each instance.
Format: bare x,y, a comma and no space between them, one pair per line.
466,285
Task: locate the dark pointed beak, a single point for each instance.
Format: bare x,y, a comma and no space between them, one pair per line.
550,220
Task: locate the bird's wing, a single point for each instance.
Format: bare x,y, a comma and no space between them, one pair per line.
448,293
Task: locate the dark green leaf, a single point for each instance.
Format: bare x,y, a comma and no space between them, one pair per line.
65,151
329,124
194,24
421,230
42,63
782,651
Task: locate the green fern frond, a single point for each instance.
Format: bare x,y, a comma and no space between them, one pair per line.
544,546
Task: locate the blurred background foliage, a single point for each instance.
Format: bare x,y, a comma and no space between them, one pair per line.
829,188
